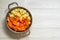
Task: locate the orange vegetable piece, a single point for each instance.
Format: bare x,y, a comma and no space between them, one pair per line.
17,18
11,19
8,19
9,24
18,23
21,25
26,26
19,29
23,28
26,22
22,21
15,28
14,22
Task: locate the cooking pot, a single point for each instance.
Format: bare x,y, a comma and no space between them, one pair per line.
10,9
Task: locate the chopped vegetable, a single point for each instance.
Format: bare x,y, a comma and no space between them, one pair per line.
18,19
9,24
11,19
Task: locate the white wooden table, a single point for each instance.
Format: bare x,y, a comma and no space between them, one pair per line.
46,19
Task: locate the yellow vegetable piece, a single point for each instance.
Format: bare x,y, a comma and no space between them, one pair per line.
11,15
27,13
18,14
24,11
29,18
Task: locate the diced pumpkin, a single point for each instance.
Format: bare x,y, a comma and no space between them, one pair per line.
8,19
21,25
17,18
23,28
18,23
15,28
14,22
9,24
11,19
19,29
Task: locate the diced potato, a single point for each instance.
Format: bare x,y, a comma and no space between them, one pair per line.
16,10
11,15
18,14
13,12
29,18
24,11
21,11
24,16
27,13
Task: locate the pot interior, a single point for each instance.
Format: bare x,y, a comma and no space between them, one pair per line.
20,8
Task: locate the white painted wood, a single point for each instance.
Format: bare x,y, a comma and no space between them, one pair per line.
42,3
46,19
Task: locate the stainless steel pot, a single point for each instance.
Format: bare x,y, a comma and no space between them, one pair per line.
10,9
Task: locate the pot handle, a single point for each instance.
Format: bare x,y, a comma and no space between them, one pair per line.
25,33
12,4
